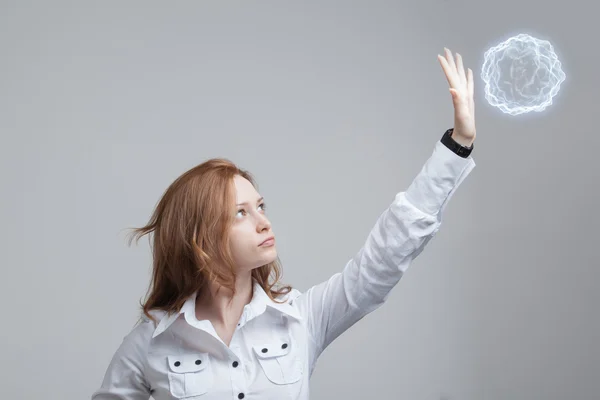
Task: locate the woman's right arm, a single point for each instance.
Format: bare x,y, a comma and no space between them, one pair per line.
124,378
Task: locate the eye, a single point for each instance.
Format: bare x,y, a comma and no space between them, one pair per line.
263,205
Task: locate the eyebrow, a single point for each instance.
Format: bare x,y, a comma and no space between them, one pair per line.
257,201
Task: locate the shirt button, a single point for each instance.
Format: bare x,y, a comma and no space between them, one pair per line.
177,363
264,350
198,362
241,396
235,364
283,346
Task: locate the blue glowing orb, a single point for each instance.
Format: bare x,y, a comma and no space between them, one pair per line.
521,74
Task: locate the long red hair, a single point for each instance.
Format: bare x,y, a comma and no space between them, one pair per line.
190,241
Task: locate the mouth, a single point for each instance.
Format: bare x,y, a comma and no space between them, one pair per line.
268,241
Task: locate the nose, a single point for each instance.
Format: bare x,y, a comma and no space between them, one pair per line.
263,224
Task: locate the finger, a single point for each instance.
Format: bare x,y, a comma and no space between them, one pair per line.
472,108
455,97
450,75
460,69
460,100
470,83
450,60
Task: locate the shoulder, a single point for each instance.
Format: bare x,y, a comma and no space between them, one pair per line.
289,297
156,314
137,341
141,334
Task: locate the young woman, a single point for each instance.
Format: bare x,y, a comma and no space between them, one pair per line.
216,322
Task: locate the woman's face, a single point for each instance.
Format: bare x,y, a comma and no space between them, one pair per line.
250,229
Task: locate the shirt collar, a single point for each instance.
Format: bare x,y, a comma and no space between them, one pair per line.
188,309
260,301
257,306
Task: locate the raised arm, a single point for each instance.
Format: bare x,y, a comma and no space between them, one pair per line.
401,232
398,237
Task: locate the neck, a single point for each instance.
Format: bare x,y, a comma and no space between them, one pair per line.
220,305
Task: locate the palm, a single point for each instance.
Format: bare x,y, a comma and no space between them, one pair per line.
461,88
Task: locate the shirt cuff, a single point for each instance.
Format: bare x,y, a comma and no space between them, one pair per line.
439,178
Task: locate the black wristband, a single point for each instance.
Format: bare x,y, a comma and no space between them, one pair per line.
457,148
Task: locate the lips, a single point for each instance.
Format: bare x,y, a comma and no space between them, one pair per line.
267,240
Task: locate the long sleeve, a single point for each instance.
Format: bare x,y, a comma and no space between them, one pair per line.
124,377
398,237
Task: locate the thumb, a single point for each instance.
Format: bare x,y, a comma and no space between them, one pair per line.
456,98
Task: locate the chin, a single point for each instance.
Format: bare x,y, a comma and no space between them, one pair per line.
262,261
270,258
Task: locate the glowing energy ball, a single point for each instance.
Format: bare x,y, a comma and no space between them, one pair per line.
521,74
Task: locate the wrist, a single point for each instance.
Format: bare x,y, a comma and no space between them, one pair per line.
462,148
466,142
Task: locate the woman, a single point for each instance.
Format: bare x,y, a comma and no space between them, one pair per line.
216,327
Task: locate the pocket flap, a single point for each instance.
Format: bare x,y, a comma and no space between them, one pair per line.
272,349
188,362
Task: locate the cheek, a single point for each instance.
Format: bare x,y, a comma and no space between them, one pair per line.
240,242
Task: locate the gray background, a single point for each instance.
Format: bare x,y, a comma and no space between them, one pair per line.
334,107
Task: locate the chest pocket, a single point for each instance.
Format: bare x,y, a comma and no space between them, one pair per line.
189,375
280,362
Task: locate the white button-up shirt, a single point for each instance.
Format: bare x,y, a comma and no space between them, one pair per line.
275,346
